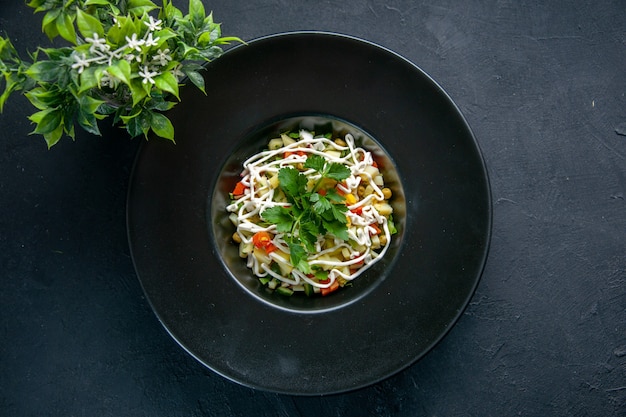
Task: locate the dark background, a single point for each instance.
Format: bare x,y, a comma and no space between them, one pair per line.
543,87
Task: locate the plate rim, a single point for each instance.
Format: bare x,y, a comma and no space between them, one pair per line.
482,261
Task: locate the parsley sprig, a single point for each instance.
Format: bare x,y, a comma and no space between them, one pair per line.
311,213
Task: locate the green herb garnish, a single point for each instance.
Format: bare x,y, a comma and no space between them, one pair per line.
311,214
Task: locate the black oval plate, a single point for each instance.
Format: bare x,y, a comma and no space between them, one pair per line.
444,238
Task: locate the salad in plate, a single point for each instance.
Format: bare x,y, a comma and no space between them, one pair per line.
311,213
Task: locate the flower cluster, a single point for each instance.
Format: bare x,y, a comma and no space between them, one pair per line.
134,50
126,61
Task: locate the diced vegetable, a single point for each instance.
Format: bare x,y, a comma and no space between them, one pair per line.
333,287
239,190
263,240
333,154
284,291
384,209
261,256
274,144
273,284
274,182
287,140
308,289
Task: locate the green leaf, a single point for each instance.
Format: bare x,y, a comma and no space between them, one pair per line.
321,205
196,12
315,162
9,88
298,255
65,27
48,23
140,7
170,12
135,128
89,104
164,34
124,27
134,113
53,137
308,233
162,126
197,79
137,91
88,122
337,171
45,71
167,81
138,122
211,53
292,182
88,25
44,99
188,52
57,54
210,36
51,30
280,216
107,109
35,3
7,50
98,3
121,70
227,40
339,212
88,79
208,21
46,120
337,229
334,196
159,104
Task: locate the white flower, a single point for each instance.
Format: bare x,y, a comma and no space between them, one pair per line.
107,80
147,75
178,73
97,44
129,57
150,41
134,43
153,25
81,63
162,57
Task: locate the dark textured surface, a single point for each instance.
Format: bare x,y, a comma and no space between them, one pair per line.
542,86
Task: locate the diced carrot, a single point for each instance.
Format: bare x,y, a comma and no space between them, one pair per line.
270,247
358,210
289,153
261,239
375,227
333,287
240,188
